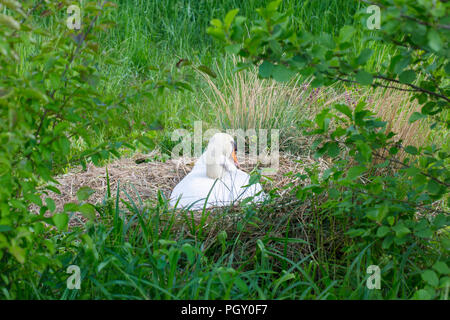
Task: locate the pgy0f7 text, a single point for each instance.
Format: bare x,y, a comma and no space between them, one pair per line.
245,309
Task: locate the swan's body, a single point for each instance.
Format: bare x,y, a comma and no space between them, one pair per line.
215,179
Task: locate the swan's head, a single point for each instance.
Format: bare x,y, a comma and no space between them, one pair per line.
221,155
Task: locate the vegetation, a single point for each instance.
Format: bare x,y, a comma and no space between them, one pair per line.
139,69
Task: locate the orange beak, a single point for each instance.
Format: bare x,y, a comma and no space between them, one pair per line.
233,154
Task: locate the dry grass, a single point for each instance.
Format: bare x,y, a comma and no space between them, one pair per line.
396,108
242,100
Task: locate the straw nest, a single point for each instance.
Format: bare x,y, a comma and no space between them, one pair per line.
141,176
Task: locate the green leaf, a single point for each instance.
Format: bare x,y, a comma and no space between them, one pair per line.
429,108
230,17
378,214
35,94
265,69
434,40
284,278
412,150
53,188
254,178
216,23
5,228
447,68
364,56
387,242
71,207
61,221
441,267
18,253
363,77
222,237
346,34
425,233
430,277
398,63
50,204
390,220
216,33
65,145
383,231
355,172
233,48
444,282
355,232
9,22
189,251
400,230
88,210
34,198
333,149
433,187
282,74
84,193
207,70
241,285
12,4
344,109
416,116
273,5
407,76
422,294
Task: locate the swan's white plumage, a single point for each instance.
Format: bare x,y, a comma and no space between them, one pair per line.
230,188
218,155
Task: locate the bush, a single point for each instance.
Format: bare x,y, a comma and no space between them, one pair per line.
49,99
394,211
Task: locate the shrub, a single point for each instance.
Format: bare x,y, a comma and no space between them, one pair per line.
49,99
389,205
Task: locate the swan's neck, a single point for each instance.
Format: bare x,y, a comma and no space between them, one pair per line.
218,167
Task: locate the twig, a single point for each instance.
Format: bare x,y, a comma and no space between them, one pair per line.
406,166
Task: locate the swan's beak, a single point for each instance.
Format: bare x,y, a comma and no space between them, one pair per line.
233,154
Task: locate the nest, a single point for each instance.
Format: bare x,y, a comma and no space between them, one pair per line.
141,177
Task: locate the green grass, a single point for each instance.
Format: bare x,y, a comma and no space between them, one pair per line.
137,251
151,36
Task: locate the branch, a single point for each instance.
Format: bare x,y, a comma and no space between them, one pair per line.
414,87
406,166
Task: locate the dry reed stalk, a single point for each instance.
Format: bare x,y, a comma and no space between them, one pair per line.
244,101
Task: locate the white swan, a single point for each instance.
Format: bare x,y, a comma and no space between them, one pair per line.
215,179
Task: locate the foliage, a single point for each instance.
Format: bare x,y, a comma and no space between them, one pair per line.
388,203
137,252
419,32
46,105
51,100
71,96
